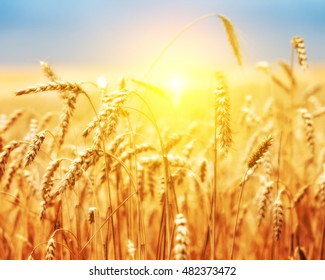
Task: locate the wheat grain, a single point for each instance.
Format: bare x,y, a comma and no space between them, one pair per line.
12,170
50,249
34,147
309,129
51,86
181,249
70,100
222,113
264,199
172,141
259,152
232,37
131,249
278,218
298,44
48,71
47,180
4,155
203,170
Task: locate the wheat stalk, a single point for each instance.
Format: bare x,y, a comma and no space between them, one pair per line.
288,71
253,160
320,195
301,193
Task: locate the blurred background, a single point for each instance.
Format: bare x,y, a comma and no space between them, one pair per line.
128,34
85,39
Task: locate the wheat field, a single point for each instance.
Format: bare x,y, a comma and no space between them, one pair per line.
123,171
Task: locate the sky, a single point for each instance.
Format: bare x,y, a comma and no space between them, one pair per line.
125,34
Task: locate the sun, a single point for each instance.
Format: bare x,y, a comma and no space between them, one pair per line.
176,83
176,87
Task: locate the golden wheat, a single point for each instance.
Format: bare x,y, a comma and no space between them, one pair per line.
298,44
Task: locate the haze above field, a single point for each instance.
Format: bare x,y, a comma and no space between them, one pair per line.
127,35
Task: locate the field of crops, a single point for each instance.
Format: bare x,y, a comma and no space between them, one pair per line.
140,170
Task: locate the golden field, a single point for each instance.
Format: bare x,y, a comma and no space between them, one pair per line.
216,165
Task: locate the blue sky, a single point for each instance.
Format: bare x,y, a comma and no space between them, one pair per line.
128,33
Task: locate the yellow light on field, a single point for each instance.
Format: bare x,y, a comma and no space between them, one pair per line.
102,83
176,89
176,83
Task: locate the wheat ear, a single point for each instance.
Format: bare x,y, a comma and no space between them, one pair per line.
131,249
4,155
50,249
50,86
278,217
47,180
11,120
259,152
232,37
222,113
34,147
12,170
298,44
203,170
264,200
48,71
181,238
309,129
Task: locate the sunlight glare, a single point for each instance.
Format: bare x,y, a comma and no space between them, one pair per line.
102,83
176,88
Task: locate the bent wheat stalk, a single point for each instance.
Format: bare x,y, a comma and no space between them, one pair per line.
253,161
229,30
